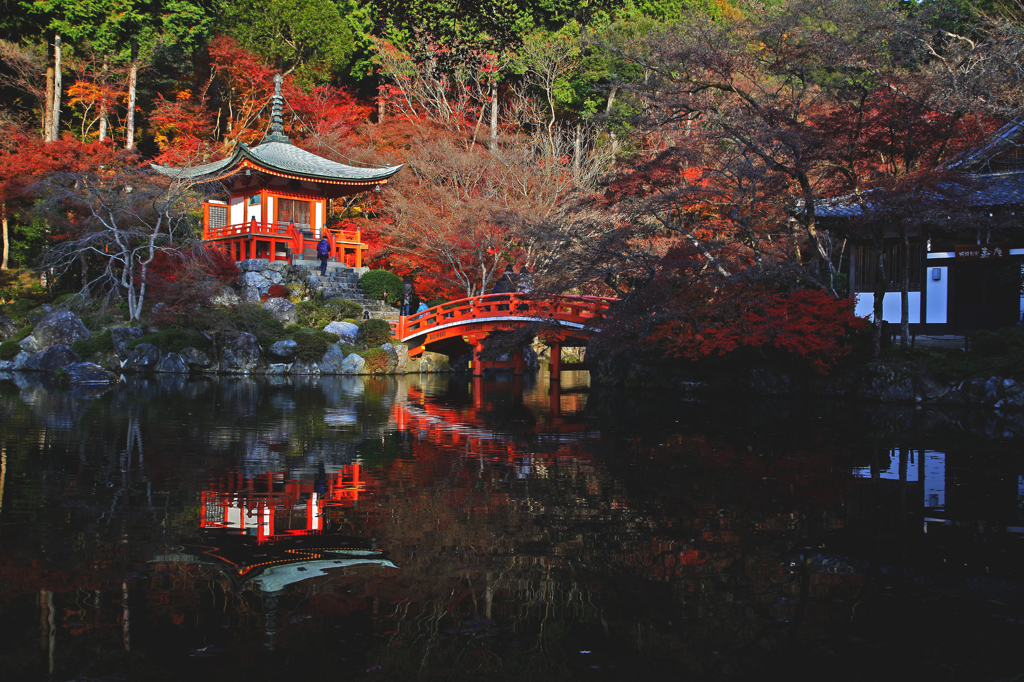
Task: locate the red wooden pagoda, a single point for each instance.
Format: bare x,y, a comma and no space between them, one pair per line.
278,197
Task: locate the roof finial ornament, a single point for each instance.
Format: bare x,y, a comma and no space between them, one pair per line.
276,133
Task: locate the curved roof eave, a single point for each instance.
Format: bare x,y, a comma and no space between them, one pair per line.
285,159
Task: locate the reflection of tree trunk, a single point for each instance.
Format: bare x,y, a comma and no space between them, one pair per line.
55,120
47,626
904,288
124,611
133,75
878,242
7,243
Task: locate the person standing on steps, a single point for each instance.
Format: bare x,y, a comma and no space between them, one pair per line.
323,250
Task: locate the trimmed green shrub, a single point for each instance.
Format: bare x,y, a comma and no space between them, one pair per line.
313,343
346,308
383,285
256,320
376,359
374,333
100,342
435,301
172,340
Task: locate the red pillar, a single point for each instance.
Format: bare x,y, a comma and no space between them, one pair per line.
478,392
555,398
518,356
555,365
478,365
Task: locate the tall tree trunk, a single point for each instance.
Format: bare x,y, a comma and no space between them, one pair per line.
494,115
55,122
380,100
48,105
103,103
7,245
577,151
133,75
904,288
880,286
607,111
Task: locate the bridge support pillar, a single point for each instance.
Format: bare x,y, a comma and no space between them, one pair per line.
518,356
555,399
478,365
555,365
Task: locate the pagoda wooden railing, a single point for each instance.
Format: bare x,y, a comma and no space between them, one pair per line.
290,236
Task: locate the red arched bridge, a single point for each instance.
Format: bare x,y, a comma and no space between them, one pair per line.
460,326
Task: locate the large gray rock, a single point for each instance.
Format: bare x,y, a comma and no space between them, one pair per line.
333,360
226,297
253,265
145,357
240,353
284,350
392,358
432,362
273,276
86,373
282,309
22,359
51,359
254,280
303,367
278,368
278,266
59,327
195,359
346,331
402,358
121,336
172,363
353,364
7,328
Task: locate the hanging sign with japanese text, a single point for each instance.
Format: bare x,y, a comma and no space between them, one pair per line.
980,251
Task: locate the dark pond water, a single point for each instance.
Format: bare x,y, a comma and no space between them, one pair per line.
428,528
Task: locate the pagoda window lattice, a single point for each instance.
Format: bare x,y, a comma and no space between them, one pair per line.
218,216
291,211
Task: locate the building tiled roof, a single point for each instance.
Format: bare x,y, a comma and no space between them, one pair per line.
980,190
1004,139
285,158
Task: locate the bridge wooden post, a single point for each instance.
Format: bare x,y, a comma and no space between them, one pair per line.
478,365
555,399
555,365
478,392
518,356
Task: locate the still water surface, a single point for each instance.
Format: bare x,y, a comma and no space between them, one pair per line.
426,527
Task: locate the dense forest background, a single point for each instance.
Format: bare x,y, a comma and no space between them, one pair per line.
671,152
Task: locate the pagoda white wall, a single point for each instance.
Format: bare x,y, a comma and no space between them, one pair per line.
270,209
236,210
254,212
318,223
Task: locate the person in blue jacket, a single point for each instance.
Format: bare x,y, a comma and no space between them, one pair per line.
323,250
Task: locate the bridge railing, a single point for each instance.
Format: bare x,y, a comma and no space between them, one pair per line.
561,308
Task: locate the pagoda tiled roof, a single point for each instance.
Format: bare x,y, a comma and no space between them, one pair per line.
282,158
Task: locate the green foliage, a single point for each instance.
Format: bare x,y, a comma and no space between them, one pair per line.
374,333
376,359
313,343
436,301
309,38
9,349
253,319
992,353
346,309
319,314
173,340
100,342
383,285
